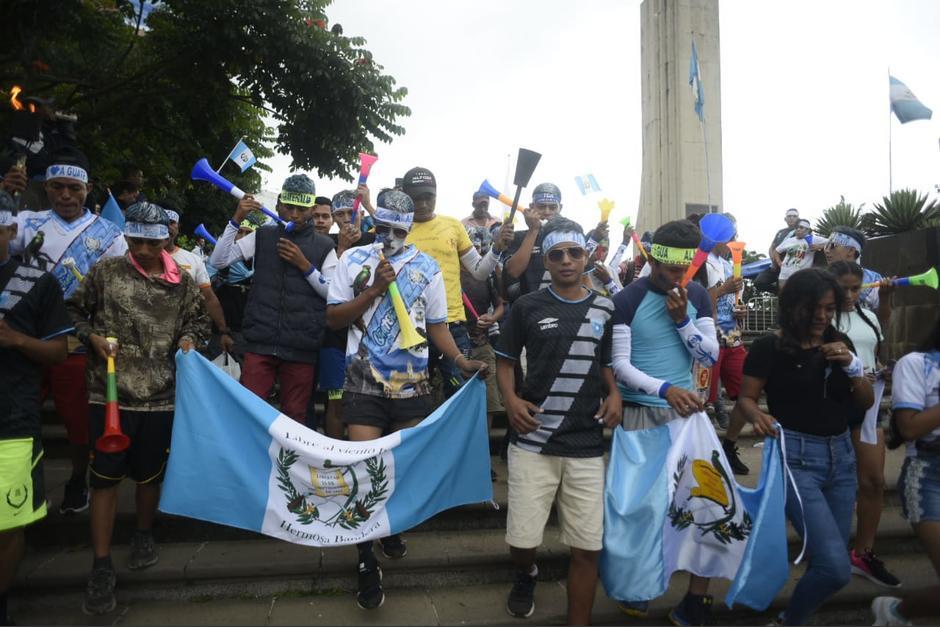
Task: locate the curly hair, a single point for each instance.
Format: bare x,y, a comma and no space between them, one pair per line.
797,305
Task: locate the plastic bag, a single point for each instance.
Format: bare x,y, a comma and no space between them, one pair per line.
228,365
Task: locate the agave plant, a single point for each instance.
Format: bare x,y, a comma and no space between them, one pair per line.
841,214
904,210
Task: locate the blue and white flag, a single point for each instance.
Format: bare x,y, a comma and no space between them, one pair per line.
764,568
670,503
695,82
587,183
112,211
237,461
905,104
242,156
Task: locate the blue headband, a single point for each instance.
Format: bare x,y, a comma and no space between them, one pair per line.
172,215
842,239
559,237
546,198
145,230
394,218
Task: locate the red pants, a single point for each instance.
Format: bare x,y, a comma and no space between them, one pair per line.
66,381
260,371
729,368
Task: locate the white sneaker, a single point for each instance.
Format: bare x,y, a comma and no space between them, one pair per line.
886,613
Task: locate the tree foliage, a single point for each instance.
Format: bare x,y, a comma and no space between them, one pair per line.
841,214
904,210
161,84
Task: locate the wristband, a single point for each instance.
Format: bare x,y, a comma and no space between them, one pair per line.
684,322
234,223
855,368
664,388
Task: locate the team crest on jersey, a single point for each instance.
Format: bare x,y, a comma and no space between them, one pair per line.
92,243
597,328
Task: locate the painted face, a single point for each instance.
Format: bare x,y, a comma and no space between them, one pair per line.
391,238
342,217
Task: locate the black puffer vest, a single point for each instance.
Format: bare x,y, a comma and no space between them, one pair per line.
285,317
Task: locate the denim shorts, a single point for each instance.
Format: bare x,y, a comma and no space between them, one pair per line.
919,485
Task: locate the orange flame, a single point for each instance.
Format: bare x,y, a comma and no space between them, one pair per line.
14,100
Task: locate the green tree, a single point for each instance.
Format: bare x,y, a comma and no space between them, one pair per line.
840,214
161,84
904,210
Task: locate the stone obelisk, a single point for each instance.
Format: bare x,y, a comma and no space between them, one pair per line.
676,181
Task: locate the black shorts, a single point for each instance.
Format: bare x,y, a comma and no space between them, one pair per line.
384,413
145,459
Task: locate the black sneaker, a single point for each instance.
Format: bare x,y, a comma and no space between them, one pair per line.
870,567
143,552
521,601
99,592
734,460
393,547
693,610
370,595
75,499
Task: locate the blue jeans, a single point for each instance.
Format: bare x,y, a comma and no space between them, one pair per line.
824,471
451,376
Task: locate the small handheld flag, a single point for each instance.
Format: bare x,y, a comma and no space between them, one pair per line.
241,156
112,212
587,183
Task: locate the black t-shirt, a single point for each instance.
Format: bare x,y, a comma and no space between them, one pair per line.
805,392
31,303
535,276
566,343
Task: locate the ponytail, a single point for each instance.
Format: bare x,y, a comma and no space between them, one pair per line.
861,314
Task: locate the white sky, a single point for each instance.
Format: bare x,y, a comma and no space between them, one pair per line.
804,100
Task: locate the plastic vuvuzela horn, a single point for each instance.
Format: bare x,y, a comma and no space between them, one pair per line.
113,440
926,279
716,229
606,206
202,171
409,334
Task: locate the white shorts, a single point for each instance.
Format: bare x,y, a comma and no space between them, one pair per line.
534,481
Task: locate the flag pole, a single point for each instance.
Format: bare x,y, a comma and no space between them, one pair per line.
890,151
708,174
240,139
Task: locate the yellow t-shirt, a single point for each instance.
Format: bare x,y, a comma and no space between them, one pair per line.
443,237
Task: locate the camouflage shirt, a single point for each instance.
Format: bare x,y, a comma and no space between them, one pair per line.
148,316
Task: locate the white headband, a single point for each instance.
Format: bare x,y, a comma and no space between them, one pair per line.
557,237
172,215
843,239
66,172
6,218
146,231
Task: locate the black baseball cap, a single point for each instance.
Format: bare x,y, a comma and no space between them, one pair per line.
419,181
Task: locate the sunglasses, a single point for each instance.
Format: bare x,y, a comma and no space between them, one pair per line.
381,229
574,253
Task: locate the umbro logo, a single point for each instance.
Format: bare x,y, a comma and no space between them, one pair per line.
548,323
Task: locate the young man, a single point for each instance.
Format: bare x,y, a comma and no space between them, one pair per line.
797,251
285,316
387,387
524,265
659,330
349,234
766,280
481,212
446,241
846,244
67,241
171,314
192,264
33,324
558,442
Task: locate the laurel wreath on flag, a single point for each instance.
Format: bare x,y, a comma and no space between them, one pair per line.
726,530
352,514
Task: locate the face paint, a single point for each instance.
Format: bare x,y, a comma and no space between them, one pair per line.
392,239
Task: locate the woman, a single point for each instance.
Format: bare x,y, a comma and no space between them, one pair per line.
862,327
916,418
813,381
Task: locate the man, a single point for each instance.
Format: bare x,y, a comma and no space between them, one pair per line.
659,330
285,315
481,212
67,241
846,244
191,263
524,265
446,241
796,252
387,387
766,280
143,347
33,324
558,441
125,193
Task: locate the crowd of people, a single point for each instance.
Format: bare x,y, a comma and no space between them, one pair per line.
568,345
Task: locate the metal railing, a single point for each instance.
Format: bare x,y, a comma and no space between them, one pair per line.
761,314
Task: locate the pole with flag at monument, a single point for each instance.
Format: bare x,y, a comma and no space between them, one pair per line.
698,93
907,108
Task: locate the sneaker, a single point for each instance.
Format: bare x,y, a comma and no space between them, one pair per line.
637,609
693,610
393,547
369,596
886,613
734,460
521,601
722,417
873,569
75,499
143,552
99,592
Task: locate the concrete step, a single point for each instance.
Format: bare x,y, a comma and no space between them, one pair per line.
481,604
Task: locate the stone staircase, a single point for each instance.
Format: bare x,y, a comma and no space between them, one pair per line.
457,569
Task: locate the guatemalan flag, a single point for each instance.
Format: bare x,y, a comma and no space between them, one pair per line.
695,82
905,104
671,504
112,211
587,183
237,461
242,156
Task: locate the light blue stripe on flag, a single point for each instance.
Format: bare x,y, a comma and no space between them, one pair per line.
695,82
905,104
764,568
242,156
112,212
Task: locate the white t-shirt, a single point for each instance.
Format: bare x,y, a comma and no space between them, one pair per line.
915,386
862,336
193,264
797,256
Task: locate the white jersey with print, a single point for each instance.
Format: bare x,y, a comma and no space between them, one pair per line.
798,256
193,264
915,384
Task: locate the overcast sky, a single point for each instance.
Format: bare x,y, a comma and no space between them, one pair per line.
804,99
